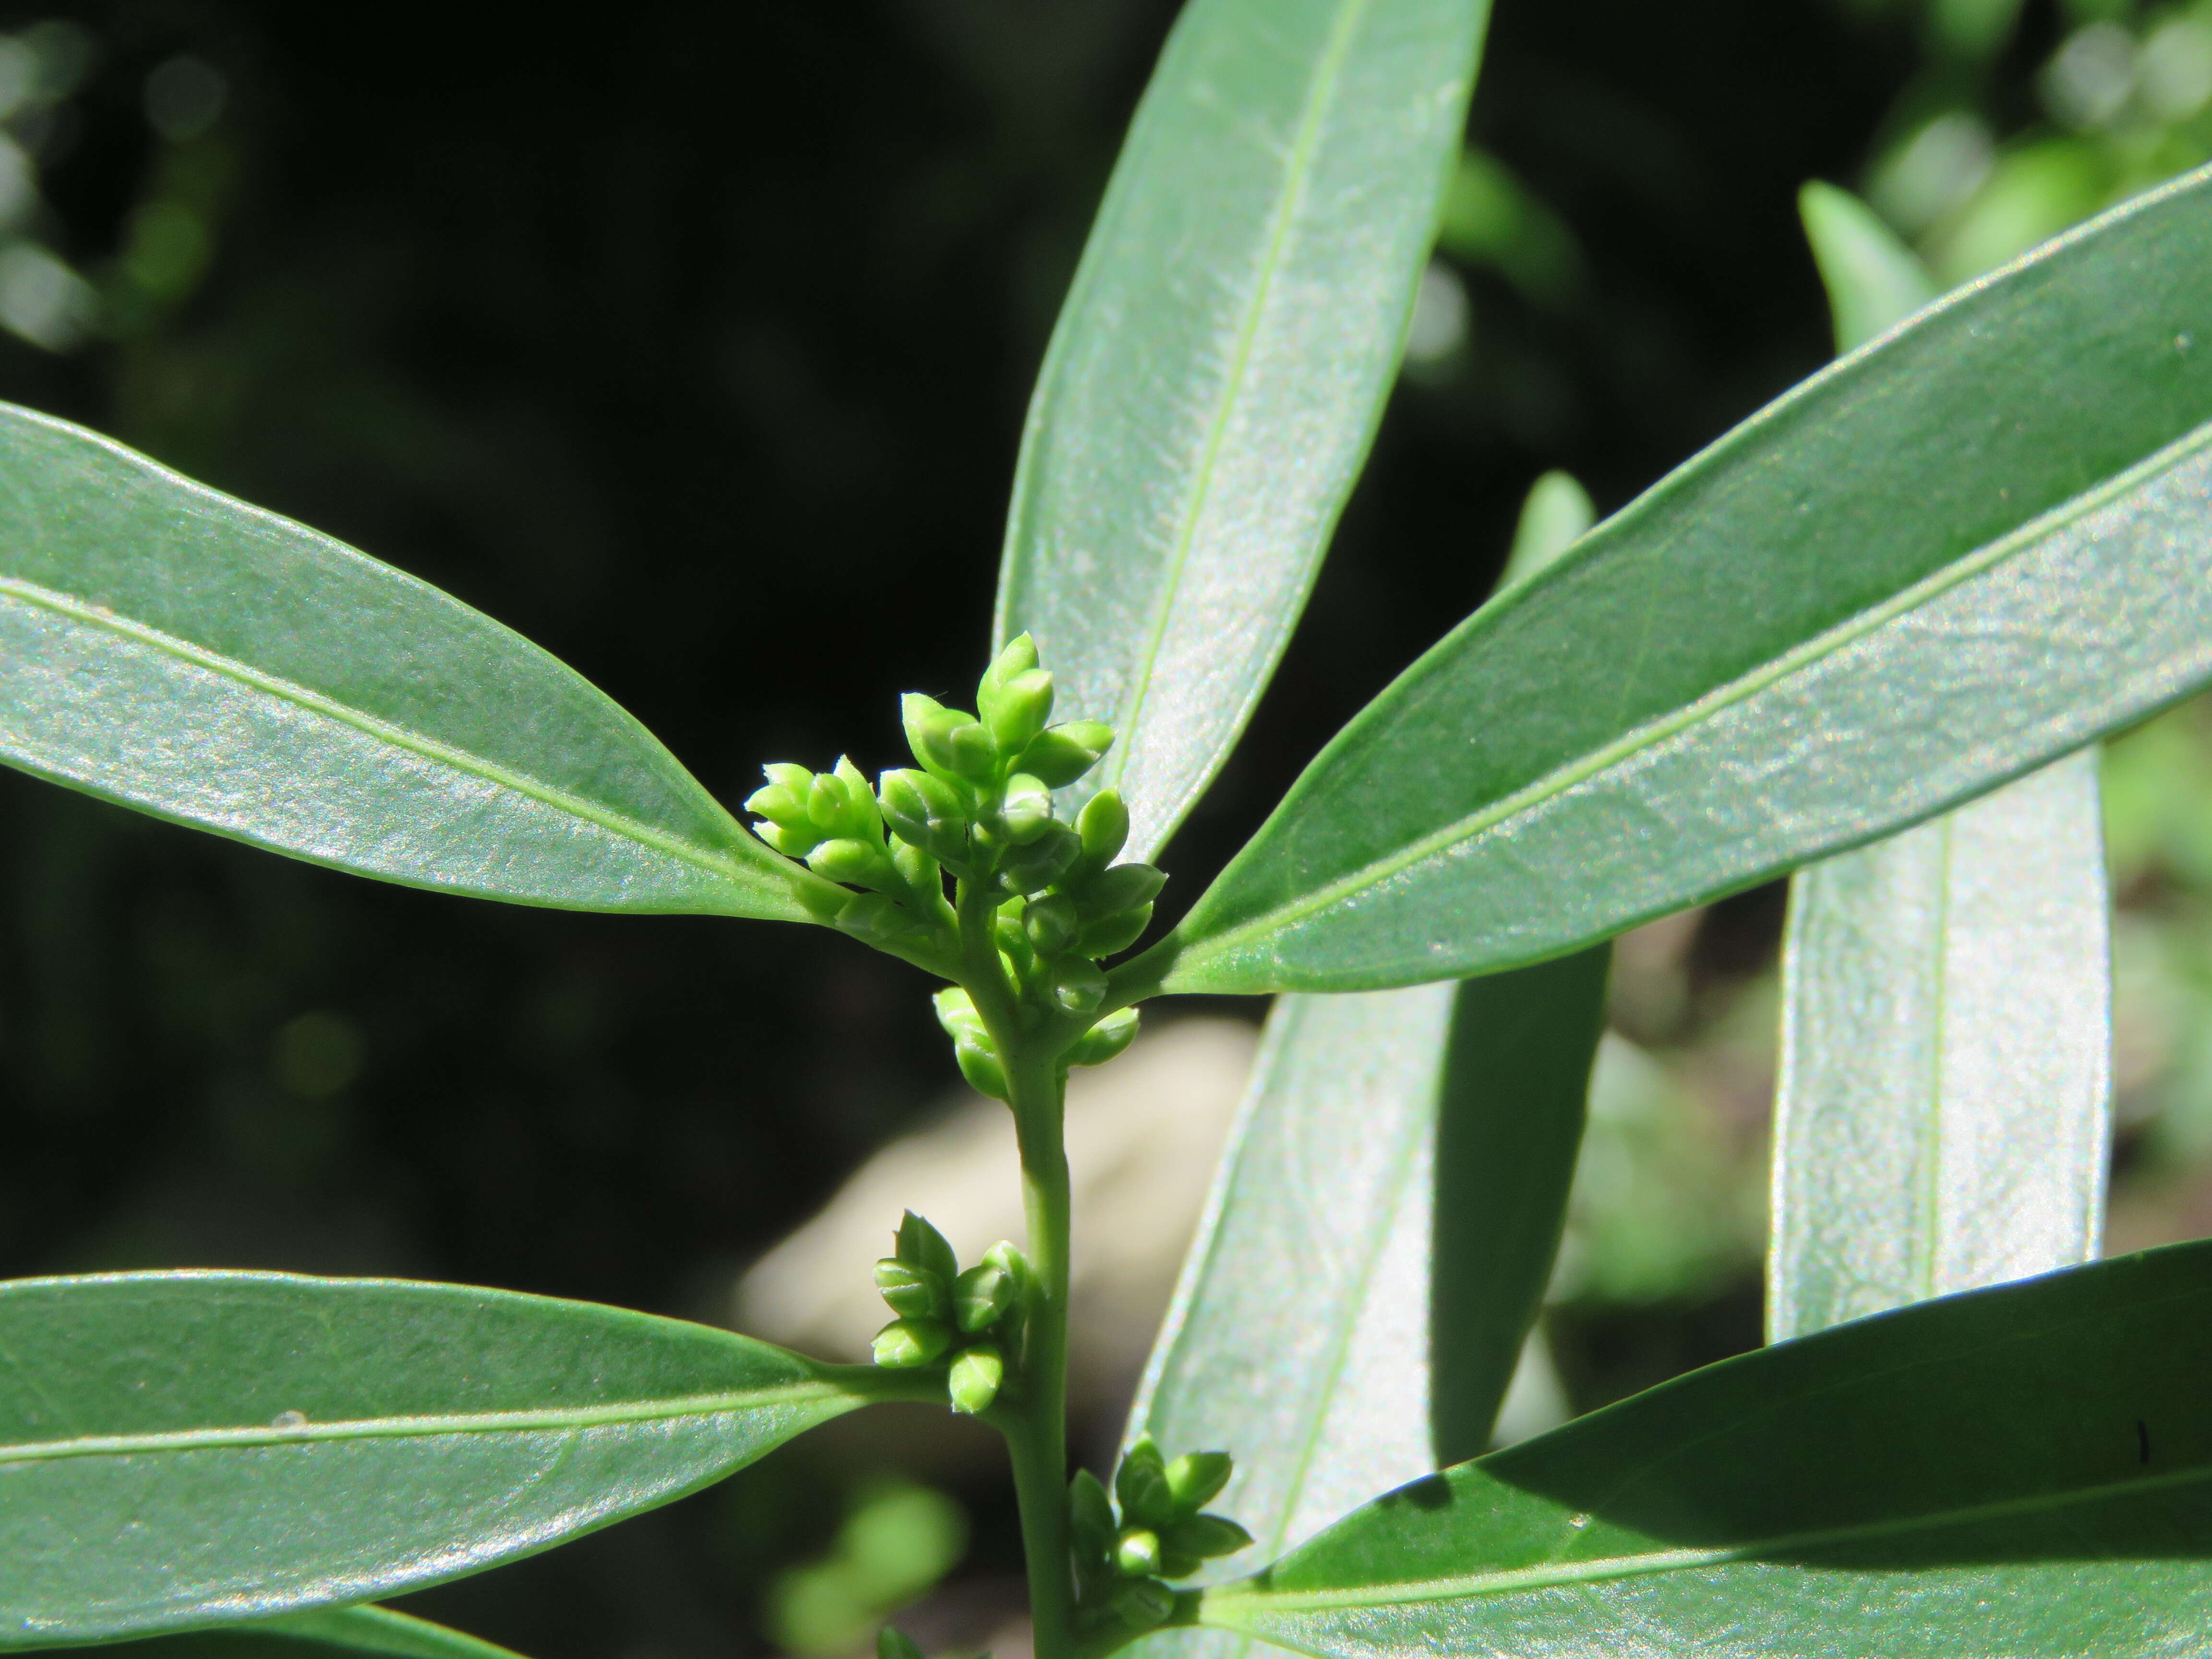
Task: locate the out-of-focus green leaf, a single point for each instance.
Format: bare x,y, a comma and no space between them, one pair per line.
1944,1109
168,648
1555,516
2021,1471
1971,547
1874,281
1377,1242
318,1635
1945,1105
193,1448
1220,365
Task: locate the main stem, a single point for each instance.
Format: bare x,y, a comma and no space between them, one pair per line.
1035,1423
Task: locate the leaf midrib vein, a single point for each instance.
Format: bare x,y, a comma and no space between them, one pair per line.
1698,710
1319,92
1470,1585
408,1427
385,731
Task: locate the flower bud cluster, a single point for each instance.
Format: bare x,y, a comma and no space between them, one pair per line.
1120,1564
978,806
974,1315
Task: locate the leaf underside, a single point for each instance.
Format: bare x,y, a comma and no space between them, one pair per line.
321,1635
2024,1470
196,1448
165,646
1220,364
1976,545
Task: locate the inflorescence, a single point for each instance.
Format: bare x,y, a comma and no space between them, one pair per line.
1120,1564
975,1316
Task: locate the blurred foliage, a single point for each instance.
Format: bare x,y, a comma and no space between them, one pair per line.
898,1540
604,320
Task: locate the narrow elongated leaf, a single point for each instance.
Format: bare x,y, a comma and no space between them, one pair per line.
1376,1244
325,1634
1944,1109
1973,547
1221,363
2021,1471
196,1448
180,652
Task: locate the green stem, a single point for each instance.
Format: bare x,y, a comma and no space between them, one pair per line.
1034,1417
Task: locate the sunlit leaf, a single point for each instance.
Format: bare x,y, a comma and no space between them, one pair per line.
1976,545
324,1634
1944,1106
2021,1471
180,652
193,1448
1220,365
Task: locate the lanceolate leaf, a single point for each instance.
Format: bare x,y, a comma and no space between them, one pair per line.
193,1448
1220,364
1969,549
2025,1471
1378,1243
322,1635
1944,1107
178,650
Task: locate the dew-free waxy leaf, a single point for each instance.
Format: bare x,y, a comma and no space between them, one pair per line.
2024,1471
164,645
1943,1111
1969,549
1220,364
1378,1239
327,1633
194,1449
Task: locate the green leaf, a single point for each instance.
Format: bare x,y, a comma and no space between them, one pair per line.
1220,365
177,651
1874,281
2023,1471
193,1448
1973,547
314,1636
1378,1239
1944,1107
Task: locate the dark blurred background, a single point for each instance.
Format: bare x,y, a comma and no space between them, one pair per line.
693,342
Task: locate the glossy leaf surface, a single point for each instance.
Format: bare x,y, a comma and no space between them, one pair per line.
168,648
2021,1471
1220,364
199,1447
325,1634
1944,1109
1969,549
1376,1244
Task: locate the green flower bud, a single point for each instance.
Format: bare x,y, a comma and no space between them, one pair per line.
972,755
1124,887
1077,986
1104,1040
927,812
974,1378
783,798
1016,658
1089,1514
1144,1603
1012,942
872,917
1141,1484
1178,1566
1103,824
920,1245
1137,1552
1113,934
891,1645
1033,868
1016,711
1050,923
1009,1261
980,1295
1060,754
1196,1478
906,1343
929,727
956,1012
981,1067
1207,1536
917,869
796,841
1028,809
853,861
912,1292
